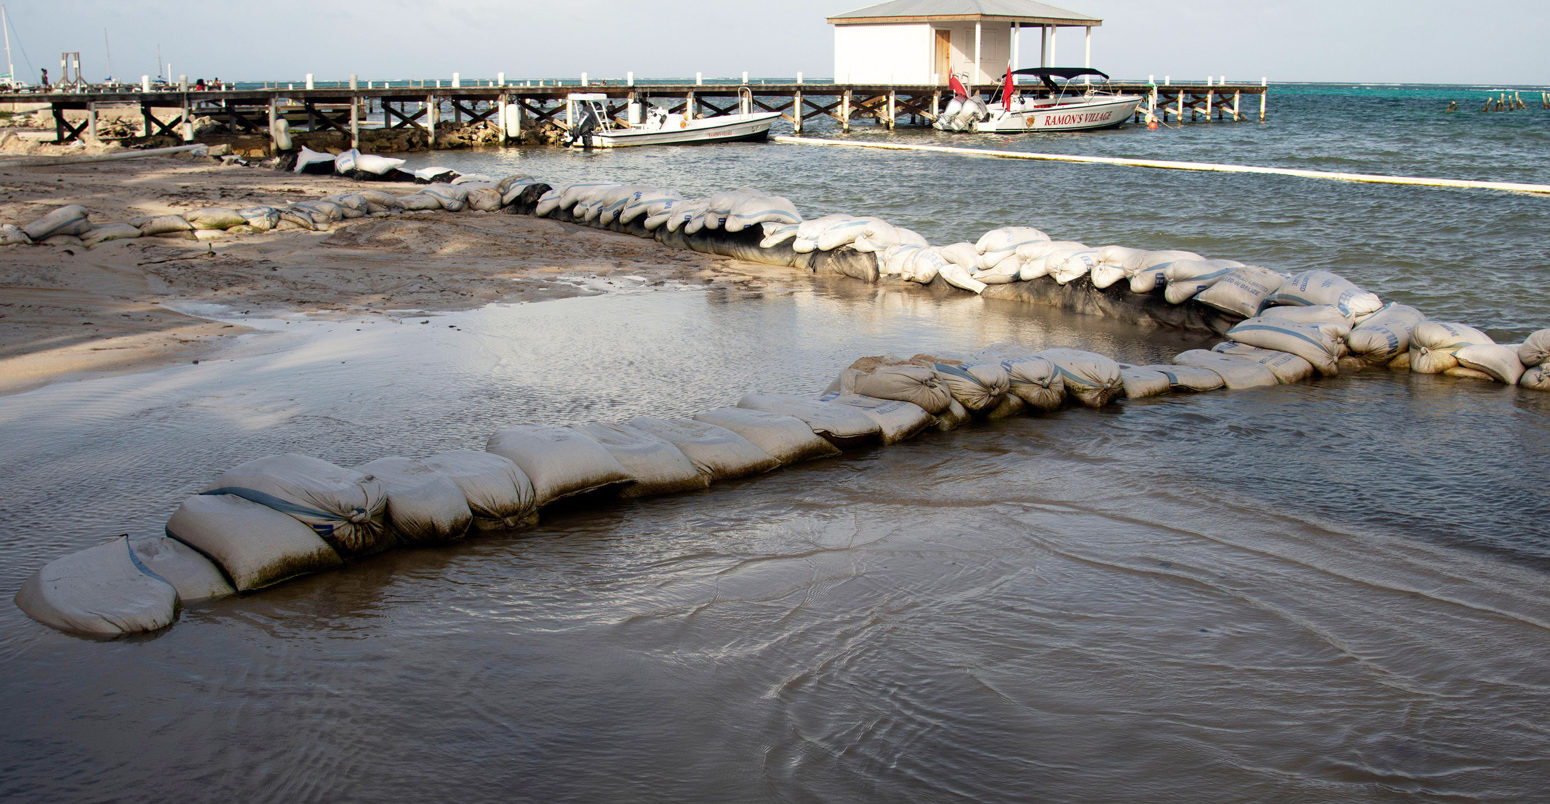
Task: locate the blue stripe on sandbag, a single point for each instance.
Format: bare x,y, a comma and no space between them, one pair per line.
271,501
958,371
140,565
1268,328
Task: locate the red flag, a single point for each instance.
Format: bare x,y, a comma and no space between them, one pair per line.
958,88
1006,91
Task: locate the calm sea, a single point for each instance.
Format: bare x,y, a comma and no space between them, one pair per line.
1333,591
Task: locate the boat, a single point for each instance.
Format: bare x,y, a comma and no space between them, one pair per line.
1058,103
594,127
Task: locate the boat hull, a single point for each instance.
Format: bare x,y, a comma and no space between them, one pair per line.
1066,117
724,128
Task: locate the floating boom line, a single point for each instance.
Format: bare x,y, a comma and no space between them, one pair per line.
1368,178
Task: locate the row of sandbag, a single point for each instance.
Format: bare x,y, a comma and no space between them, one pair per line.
279,517
71,224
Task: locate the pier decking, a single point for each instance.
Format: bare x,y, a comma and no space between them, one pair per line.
346,108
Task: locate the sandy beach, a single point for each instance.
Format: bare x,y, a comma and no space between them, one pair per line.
70,309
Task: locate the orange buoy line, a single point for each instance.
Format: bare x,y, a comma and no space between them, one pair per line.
1369,178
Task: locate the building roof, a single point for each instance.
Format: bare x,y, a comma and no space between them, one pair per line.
1023,11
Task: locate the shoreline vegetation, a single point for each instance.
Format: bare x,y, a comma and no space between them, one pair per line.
69,311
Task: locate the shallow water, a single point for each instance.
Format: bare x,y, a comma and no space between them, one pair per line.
1333,591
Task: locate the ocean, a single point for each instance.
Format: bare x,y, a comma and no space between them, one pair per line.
1332,591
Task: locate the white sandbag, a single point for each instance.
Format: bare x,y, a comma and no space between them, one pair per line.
960,254
881,236
897,420
102,591
194,576
1111,264
1496,359
474,178
434,175
313,162
301,218
996,244
647,202
424,506
214,218
376,165
1148,269
905,382
255,545
761,209
1535,349
512,188
1035,380
162,225
323,211
1237,372
1189,378
573,194
1140,382
1287,368
1322,287
548,202
379,203
560,461
785,438
656,466
978,386
498,493
614,201
1536,378
1325,316
923,267
957,276
1089,378
681,216
452,197
109,231
353,205
814,228
1243,291
12,235
776,233
344,162
484,199
845,232
1005,272
419,202
1307,341
1186,278
1036,259
1072,266
718,453
842,425
260,217
343,506
1433,343
1383,336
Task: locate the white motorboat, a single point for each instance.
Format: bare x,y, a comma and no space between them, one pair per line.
1066,105
594,127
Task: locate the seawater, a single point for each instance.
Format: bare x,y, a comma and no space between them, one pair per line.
1331,591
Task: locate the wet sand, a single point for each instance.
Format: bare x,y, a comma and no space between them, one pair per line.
124,305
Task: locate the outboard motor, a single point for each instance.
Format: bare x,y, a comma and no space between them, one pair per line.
582,132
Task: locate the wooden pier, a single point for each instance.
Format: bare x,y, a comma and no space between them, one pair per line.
347,108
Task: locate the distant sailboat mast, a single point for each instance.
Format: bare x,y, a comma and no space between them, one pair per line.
10,69
107,50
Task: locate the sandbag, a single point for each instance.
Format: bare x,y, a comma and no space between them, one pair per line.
1073,266
1089,378
1325,316
896,419
353,205
1243,291
761,209
344,161
109,231
1322,287
785,438
656,466
314,162
12,235
1010,405
843,426
648,203
977,385
380,203
1111,264
322,211
194,576
424,505
1385,335
1433,343
905,382
162,225
343,506
452,197
1035,380
260,217
1005,272
374,165
255,545
1307,341
1236,372
1287,368
1189,378
484,199
419,202
1186,278
1037,259
996,244
1535,349
1140,382
66,220
434,174
102,591
560,461
718,453
1500,361
1149,268
498,493
954,417
1536,378
214,218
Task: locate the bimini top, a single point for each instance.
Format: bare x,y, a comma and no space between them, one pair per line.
1049,74
915,11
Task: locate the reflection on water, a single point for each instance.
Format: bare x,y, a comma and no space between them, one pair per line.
1324,592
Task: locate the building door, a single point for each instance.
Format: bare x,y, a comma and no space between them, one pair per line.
944,51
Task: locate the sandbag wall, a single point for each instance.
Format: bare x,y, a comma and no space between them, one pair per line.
280,517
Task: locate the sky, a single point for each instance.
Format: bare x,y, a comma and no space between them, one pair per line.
1414,41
